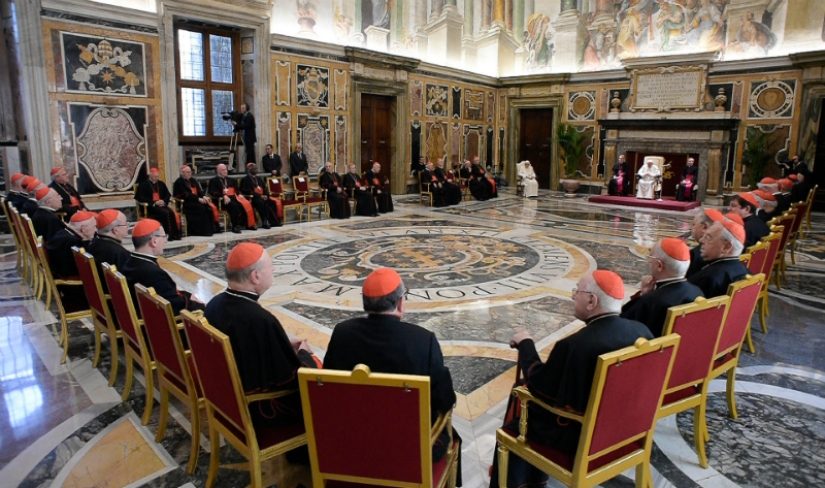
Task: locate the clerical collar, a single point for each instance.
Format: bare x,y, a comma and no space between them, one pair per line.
145,257
50,209
383,316
247,295
109,238
599,317
669,281
711,263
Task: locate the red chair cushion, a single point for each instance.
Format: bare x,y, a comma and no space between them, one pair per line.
267,437
680,394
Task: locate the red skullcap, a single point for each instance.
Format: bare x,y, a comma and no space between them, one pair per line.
27,180
734,217
41,193
676,248
106,217
33,184
249,165
244,255
736,229
714,215
17,176
381,282
748,197
786,183
145,227
765,195
610,283
768,181
82,216
55,170
793,177
154,170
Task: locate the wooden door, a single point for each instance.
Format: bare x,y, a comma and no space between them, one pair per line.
536,142
376,132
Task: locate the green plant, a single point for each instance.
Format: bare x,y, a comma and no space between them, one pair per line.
755,155
570,142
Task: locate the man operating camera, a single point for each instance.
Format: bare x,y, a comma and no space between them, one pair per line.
247,125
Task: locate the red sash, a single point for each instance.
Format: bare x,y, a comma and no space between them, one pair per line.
229,191
195,190
259,191
215,214
376,182
492,182
177,218
279,206
155,196
75,201
250,214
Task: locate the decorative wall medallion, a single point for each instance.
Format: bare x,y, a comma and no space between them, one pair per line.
247,45
437,100
416,98
581,106
312,86
110,145
102,65
772,99
473,105
283,82
314,135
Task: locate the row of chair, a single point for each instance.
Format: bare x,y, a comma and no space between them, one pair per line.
425,187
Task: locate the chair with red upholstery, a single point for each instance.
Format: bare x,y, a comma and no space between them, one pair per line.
786,221
301,184
227,407
799,209
37,275
617,427
174,365
810,202
772,240
395,449
134,343
745,259
99,304
276,189
743,295
18,242
699,324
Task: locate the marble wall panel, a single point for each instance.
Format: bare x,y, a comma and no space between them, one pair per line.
436,133
341,86
456,105
779,144
341,140
473,141
437,100
313,133
415,140
772,99
416,98
94,64
455,144
491,106
283,82
283,121
248,79
311,86
736,98
489,145
473,105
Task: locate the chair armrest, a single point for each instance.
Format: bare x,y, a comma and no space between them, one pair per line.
68,282
267,396
525,397
444,420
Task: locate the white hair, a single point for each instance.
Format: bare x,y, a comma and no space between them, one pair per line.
736,246
674,267
773,188
607,303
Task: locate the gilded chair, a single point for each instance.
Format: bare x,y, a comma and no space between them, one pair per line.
99,303
699,324
785,221
142,209
632,379
227,407
772,240
810,201
743,295
335,404
28,270
36,278
301,184
464,186
134,343
745,259
519,178
424,190
174,365
799,209
18,245
177,206
276,189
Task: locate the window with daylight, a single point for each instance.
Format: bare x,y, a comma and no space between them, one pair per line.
208,82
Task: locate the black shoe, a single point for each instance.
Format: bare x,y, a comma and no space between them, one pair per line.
219,229
266,225
236,229
252,228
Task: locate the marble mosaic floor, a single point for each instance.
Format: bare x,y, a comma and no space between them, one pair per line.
476,273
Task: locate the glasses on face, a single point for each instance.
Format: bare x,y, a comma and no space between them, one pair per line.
576,290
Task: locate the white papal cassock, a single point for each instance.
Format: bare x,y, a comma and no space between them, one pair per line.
647,180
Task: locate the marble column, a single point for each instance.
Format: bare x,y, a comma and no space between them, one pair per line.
713,195
436,8
508,14
518,20
486,14
419,26
498,13
444,36
468,18
496,49
568,37
42,145
609,158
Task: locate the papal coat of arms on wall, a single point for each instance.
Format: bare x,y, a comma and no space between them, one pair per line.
312,86
97,64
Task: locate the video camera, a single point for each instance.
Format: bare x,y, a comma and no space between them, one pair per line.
233,115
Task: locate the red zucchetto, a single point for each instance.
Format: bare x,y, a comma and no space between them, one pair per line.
734,217
610,283
106,217
381,282
41,193
765,195
736,229
33,184
786,183
145,227
793,177
55,170
748,197
676,248
82,216
154,170
17,176
714,215
768,181
244,255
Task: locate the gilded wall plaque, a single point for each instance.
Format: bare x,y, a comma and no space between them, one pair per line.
668,88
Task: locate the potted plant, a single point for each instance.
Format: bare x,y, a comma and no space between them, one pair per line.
570,142
755,155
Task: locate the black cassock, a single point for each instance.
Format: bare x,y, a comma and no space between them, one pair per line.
29,207
63,266
265,357
388,345
755,229
71,198
46,223
429,181
201,218
713,279
16,199
149,193
380,191
220,187
107,249
338,201
783,203
254,188
613,186
564,381
452,193
651,308
696,261
481,187
143,269
364,201
685,192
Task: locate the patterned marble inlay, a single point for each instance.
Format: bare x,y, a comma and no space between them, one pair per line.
470,373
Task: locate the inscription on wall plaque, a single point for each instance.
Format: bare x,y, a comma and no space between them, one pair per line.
667,89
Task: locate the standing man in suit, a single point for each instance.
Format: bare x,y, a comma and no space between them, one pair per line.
247,124
271,162
298,161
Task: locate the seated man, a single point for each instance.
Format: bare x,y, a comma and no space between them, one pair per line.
267,359
156,196
768,184
202,217
701,223
380,188
255,190
149,239
387,345
225,190
481,186
801,187
528,179
430,181
767,205
783,196
360,191
690,176
722,244
337,198
17,194
107,245
745,206
620,181
451,190
648,175
45,221
71,198
80,230
665,287
31,205
271,162
564,381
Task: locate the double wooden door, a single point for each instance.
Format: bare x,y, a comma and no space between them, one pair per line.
376,132
536,142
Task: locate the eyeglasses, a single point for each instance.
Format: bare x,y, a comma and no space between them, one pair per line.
576,290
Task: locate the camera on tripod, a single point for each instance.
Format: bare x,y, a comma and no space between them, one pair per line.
233,116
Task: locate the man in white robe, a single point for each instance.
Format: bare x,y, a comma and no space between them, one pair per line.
528,179
648,176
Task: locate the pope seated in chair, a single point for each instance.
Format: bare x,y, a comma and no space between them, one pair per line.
649,176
